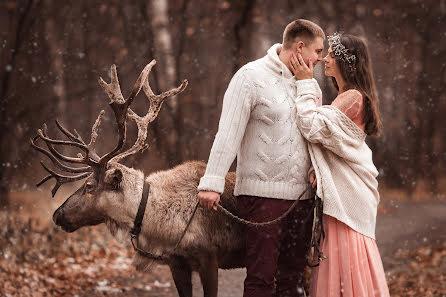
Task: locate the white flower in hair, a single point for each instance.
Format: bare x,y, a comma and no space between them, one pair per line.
340,50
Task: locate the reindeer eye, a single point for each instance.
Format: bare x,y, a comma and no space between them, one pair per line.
89,187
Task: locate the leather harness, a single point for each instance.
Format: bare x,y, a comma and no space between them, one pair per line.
134,232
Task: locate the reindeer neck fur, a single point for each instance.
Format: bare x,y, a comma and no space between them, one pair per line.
173,196
172,199
121,207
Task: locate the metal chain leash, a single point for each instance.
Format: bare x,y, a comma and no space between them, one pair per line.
260,224
318,228
165,257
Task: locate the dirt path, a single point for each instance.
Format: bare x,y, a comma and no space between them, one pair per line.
410,225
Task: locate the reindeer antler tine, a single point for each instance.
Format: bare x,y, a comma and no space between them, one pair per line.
114,74
146,86
62,142
175,91
68,133
94,129
47,178
44,180
78,135
53,173
102,83
140,82
42,133
55,188
112,89
60,179
157,101
94,135
55,161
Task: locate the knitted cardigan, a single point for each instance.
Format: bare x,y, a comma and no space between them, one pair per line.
258,124
346,175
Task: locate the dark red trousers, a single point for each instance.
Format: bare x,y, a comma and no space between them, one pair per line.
275,252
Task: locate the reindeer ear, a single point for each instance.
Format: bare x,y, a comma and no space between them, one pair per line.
113,177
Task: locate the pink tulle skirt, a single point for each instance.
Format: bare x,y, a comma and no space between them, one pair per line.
353,267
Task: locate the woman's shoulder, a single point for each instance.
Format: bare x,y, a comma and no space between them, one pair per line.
349,102
351,94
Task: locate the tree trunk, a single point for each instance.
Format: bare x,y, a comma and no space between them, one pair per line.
6,81
57,61
166,75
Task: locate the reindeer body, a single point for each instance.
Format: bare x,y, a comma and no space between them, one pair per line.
212,240
172,199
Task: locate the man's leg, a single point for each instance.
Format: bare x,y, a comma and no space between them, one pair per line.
262,243
293,251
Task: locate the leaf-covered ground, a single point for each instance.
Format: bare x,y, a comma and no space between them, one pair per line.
38,259
418,272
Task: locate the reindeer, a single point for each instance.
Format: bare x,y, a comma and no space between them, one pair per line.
112,192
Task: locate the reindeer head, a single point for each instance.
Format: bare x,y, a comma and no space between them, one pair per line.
104,175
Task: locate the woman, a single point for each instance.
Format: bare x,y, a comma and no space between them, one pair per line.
345,173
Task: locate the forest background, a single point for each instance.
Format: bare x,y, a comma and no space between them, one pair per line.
53,52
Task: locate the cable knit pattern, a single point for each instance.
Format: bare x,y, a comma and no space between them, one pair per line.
258,125
346,175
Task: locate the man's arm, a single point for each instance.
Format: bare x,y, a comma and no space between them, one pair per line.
231,129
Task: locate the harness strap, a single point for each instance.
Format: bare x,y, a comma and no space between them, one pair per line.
141,210
318,233
134,232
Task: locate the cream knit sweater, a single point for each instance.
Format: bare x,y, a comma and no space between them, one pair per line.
346,175
258,124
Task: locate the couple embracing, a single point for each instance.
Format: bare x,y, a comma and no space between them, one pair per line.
273,120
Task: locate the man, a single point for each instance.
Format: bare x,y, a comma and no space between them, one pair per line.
258,125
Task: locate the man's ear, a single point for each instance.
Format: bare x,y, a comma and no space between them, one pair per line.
299,45
113,177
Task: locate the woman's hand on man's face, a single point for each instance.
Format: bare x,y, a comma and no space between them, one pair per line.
299,68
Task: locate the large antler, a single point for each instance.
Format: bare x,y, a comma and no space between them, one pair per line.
156,101
121,111
120,106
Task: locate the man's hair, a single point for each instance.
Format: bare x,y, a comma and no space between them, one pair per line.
301,29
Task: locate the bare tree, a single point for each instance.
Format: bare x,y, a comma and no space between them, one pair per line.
56,47
18,30
158,12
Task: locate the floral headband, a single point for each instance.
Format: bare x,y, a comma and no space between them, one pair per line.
340,50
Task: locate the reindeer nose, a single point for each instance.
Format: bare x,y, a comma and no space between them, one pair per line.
57,217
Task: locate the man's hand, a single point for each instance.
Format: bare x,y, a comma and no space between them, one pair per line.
313,180
208,198
299,68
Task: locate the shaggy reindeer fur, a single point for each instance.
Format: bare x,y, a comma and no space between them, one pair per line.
212,241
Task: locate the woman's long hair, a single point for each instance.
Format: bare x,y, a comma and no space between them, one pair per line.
358,75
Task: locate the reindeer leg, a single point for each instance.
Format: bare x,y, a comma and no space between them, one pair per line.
182,276
208,272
